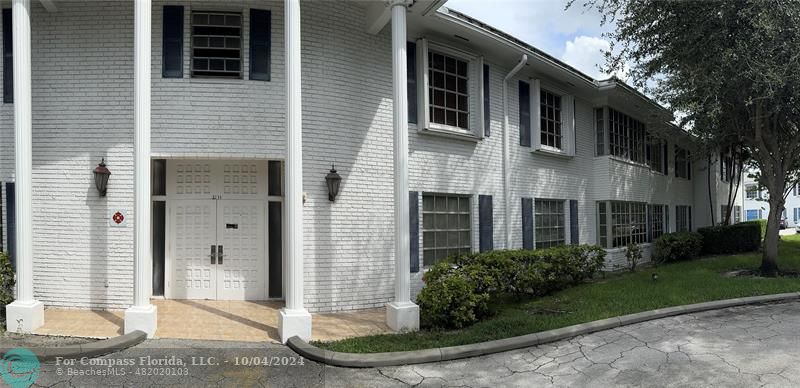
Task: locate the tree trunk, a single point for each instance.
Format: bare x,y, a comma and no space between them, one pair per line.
769,260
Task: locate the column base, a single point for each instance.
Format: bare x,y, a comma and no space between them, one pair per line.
24,317
142,318
402,316
294,323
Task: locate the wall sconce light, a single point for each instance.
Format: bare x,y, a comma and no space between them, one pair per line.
333,180
101,174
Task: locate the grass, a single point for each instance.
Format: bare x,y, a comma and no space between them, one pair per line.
678,284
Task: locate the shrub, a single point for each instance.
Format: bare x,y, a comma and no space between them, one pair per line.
458,290
633,254
451,300
677,246
7,282
741,237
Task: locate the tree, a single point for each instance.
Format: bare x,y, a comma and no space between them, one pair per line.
731,67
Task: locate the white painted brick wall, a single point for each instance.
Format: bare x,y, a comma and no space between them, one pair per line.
83,110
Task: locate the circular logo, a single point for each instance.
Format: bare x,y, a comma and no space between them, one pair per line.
118,218
20,368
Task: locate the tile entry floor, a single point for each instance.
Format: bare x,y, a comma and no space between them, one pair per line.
213,320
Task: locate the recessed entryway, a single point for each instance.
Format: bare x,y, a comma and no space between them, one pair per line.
223,230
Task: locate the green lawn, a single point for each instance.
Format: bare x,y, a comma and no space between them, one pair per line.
678,284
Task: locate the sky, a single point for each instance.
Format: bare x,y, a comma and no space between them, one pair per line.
575,35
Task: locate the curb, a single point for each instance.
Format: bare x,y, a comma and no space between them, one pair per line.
371,360
89,350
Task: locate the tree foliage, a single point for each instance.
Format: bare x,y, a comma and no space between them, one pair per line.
733,68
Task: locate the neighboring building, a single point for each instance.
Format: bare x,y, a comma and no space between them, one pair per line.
460,136
755,201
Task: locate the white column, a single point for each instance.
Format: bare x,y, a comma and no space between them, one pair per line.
142,315
25,314
294,319
401,314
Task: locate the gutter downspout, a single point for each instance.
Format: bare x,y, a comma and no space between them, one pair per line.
506,156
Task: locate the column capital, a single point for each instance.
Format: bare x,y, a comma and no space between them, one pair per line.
403,3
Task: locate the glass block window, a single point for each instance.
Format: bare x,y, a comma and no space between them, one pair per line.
628,223
626,136
737,214
602,216
448,92
550,224
656,221
683,218
446,226
550,107
216,44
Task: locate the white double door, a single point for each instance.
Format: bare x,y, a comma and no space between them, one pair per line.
219,249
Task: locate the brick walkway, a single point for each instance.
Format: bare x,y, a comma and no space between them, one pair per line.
213,320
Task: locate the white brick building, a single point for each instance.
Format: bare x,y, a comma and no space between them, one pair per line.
206,87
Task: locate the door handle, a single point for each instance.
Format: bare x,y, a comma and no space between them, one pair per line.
220,254
213,254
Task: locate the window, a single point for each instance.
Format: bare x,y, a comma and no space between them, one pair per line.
216,44
656,214
724,209
753,214
737,214
751,191
683,218
620,135
655,154
8,57
727,169
550,223
683,164
796,215
450,91
621,223
446,227
550,121
553,121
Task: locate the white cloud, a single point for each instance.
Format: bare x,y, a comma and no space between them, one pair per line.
585,53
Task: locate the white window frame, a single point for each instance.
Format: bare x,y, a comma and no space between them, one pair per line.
474,89
757,193
567,120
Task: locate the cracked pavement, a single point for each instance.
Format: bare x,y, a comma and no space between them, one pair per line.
744,346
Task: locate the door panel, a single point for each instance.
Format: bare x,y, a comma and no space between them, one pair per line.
193,233
241,231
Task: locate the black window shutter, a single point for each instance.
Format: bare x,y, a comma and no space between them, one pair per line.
11,221
8,58
485,222
172,42
524,114
260,44
527,223
574,230
411,69
666,218
487,120
666,159
689,211
413,215
688,166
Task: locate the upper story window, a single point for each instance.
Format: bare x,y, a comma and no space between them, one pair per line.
727,167
620,135
216,44
683,163
450,91
751,191
550,132
552,119
656,154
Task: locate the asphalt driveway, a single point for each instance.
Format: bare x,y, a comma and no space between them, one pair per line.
741,346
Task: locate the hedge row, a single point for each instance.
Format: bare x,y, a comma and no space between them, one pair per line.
677,246
741,237
458,290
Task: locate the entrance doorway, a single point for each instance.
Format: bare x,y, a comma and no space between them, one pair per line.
219,230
